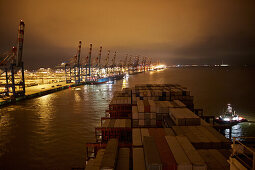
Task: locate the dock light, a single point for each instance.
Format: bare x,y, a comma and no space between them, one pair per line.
160,66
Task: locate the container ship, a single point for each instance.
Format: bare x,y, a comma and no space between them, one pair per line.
156,127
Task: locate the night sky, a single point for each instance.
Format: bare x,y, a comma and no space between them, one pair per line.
174,31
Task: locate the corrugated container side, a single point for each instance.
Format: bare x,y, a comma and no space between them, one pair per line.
152,106
183,163
112,123
197,162
136,136
205,142
141,122
220,158
134,112
144,132
127,123
94,164
165,153
138,159
110,155
193,138
146,106
151,154
179,103
216,142
210,160
106,123
217,134
169,132
177,130
123,159
141,116
140,106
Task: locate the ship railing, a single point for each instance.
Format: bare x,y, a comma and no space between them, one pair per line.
243,153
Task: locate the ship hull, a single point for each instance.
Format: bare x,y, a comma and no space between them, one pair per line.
99,81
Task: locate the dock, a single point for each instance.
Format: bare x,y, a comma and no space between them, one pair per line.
37,91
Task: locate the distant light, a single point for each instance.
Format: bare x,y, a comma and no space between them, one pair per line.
224,65
226,119
160,66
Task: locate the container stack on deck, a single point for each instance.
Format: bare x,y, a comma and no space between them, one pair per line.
114,128
121,105
137,118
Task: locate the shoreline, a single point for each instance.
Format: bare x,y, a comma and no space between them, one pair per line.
38,93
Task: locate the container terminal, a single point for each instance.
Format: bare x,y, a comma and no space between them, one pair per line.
150,126
156,126
16,83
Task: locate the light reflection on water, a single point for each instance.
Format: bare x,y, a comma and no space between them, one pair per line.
245,129
50,132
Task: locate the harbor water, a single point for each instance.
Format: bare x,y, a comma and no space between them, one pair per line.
50,132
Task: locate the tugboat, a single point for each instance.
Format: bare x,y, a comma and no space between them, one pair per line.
230,117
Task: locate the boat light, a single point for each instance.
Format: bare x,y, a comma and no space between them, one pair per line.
226,119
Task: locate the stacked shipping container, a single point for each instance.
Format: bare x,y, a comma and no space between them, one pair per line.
135,118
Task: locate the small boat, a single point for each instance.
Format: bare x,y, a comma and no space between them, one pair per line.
230,117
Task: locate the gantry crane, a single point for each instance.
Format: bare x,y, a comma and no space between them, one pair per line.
107,61
73,67
12,65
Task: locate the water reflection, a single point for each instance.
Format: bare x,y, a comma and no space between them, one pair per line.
77,97
4,132
45,112
241,130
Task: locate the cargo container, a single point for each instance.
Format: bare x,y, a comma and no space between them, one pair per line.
123,159
138,159
114,128
214,159
184,117
196,160
151,154
182,161
202,138
136,118
110,155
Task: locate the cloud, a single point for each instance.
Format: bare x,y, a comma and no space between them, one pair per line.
175,31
